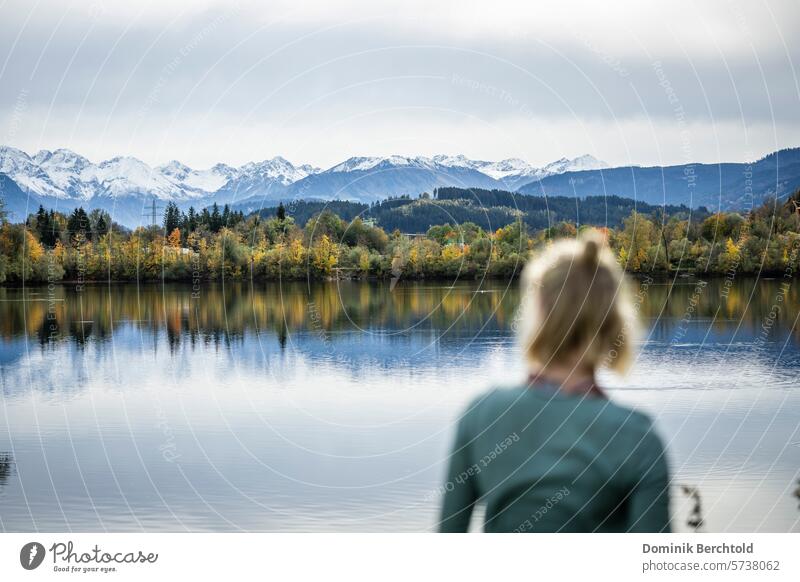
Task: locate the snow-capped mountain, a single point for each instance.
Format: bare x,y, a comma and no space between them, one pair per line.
206,181
370,179
28,173
363,164
374,178
126,186
497,170
267,179
63,167
579,164
65,174
514,173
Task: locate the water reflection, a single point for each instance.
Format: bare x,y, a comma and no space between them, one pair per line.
222,315
6,464
329,407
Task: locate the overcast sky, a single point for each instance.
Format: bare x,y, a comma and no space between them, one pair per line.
316,82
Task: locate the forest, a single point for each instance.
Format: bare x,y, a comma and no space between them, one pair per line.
225,244
488,209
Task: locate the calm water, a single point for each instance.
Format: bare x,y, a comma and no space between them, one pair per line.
284,407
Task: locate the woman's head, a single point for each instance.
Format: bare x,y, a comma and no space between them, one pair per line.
576,307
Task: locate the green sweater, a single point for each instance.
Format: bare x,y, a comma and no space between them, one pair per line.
545,461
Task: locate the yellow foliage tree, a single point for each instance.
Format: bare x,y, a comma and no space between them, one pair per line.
731,248
622,258
325,255
363,262
174,239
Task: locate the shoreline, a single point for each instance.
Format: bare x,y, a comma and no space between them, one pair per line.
658,277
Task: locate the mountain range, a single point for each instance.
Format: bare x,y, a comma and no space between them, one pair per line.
726,186
127,187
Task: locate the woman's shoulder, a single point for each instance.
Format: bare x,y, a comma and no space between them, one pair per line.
489,403
497,396
635,426
502,398
632,417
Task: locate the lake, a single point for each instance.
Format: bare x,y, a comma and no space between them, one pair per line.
330,407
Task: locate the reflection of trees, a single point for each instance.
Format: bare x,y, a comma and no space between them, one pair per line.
6,466
670,304
224,314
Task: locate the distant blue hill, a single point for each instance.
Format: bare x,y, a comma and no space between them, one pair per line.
730,186
382,181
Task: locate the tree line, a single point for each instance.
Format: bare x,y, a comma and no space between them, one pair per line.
222,243
489,209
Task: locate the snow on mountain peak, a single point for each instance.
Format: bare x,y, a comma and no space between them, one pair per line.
308,169
60,158
356,164
278,169
203,182
584,162
65,174
7,152
363,164
460,161
175,169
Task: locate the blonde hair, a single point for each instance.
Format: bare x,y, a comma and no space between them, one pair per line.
576,307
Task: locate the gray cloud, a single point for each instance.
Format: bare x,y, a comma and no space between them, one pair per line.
244,82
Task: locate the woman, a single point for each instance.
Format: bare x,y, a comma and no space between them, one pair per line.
555,454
